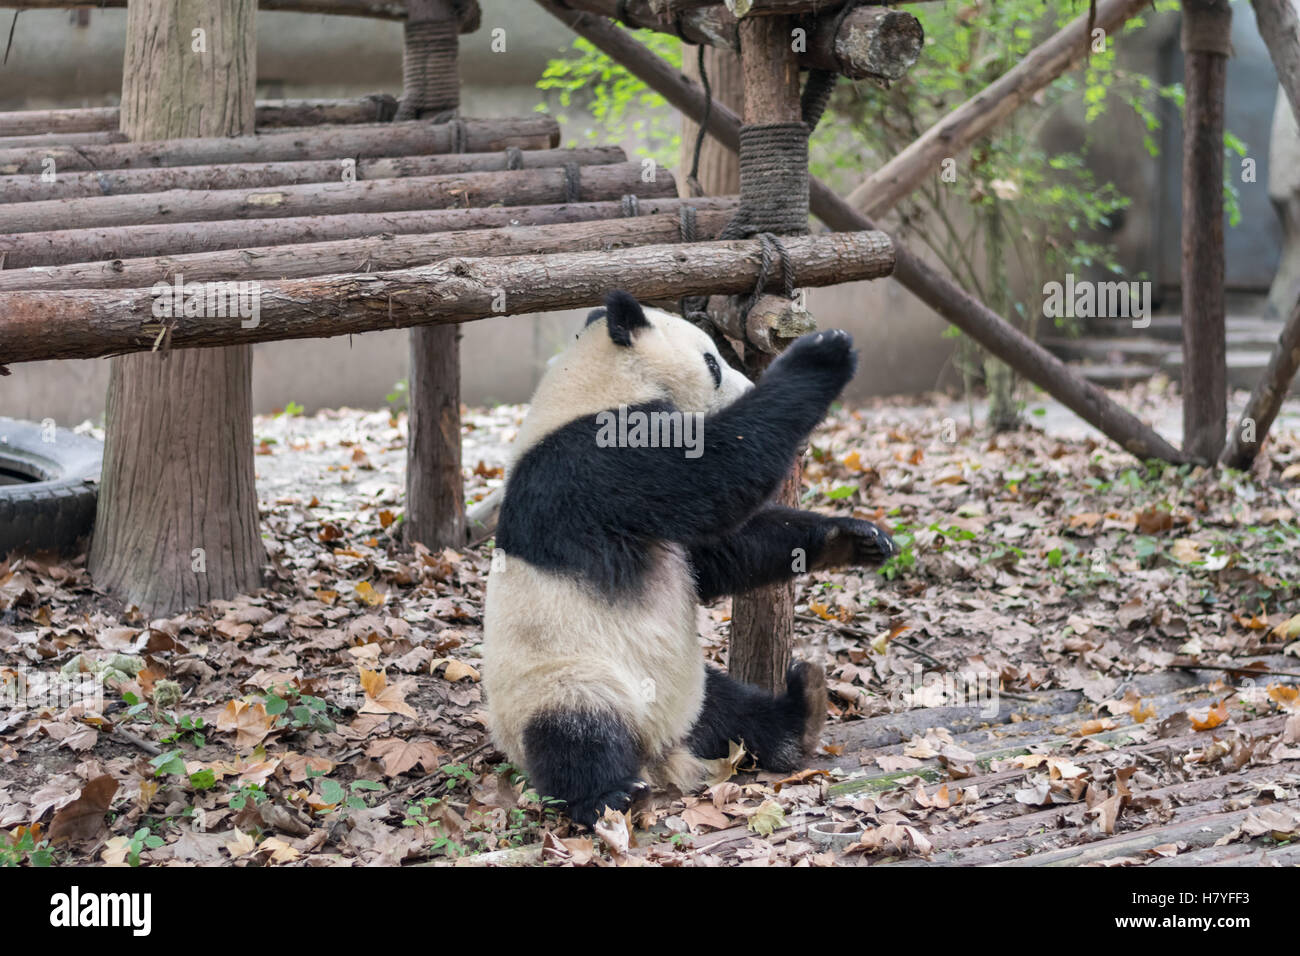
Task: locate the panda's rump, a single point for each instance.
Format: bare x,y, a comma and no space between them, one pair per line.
552,644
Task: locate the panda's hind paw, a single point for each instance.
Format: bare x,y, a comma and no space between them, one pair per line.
622,798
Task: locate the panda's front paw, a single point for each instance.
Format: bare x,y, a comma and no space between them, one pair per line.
828,353
852,541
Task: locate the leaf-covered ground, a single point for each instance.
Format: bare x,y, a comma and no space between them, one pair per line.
336,717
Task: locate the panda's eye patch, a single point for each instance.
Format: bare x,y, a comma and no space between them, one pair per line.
714,369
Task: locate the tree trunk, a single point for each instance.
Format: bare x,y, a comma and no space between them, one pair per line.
762,620
1206,28
177,523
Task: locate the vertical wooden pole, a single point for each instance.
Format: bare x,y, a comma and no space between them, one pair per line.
435,502
762,620
719,173
176,523
1206,34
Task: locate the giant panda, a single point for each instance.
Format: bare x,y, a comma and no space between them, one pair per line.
607,540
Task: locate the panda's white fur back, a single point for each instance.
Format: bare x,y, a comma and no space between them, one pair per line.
554,646
551,644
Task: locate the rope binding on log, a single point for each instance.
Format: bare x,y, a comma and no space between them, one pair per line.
431,83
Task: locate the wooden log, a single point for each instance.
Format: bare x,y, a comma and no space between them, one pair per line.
374,108
772,322
28,249
372,254
1280,29
758,8
376,9
883,189
1206,43
761,647
1251,428
957,306
111,182
87,323
871,42
324,142
525,187
96,138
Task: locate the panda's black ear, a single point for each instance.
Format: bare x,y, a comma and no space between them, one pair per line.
623,316
595,315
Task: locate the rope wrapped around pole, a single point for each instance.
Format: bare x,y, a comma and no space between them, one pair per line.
430,85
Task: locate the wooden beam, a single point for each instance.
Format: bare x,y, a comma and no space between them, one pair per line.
758,8
1207,26
377,9
375,108
324,142
89,323
871,42
523,187
113,182
957,306
132,242
1280,29
893,181
380,253
1266,399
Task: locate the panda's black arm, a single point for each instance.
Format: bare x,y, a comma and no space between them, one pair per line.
578,504
777,544
748,448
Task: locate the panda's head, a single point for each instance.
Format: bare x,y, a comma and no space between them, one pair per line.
628,355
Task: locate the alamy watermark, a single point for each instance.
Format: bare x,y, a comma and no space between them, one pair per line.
1085,299
181,299
971,688
24,689
634,428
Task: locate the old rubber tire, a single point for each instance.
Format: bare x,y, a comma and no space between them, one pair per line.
57,509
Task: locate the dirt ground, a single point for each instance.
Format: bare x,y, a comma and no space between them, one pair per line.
1076,659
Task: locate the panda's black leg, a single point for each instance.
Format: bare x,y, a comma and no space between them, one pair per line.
589,760
778,731
776,544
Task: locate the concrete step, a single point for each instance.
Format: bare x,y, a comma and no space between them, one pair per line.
1244,366
1118,375
1169,328
1111,349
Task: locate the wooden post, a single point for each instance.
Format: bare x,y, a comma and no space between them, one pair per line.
762,620
176,523
719,172
1207,28
435,488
